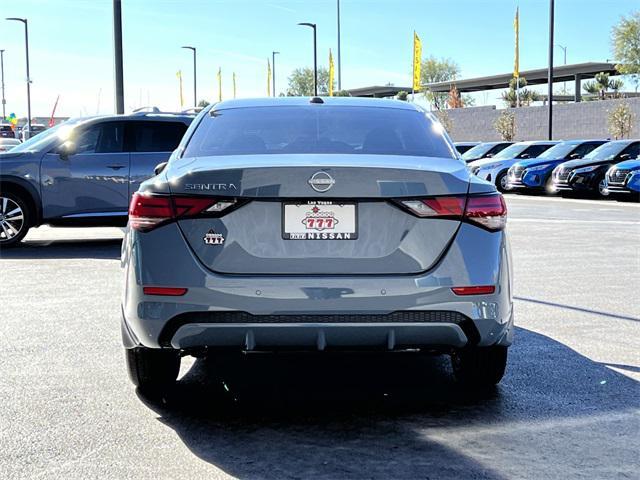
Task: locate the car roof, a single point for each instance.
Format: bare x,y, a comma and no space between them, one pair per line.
539,142
302,101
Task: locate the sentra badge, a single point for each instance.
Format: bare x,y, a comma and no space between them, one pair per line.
213,238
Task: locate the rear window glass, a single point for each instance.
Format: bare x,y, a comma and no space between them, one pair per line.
318,129
157,136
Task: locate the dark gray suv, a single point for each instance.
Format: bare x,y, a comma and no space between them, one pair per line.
83,172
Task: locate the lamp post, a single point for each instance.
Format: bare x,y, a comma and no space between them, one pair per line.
339,67
195,72
564,51
550,71
273,74
315,57
117,56
26,46
4,102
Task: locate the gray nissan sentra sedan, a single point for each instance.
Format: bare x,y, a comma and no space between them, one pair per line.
316,224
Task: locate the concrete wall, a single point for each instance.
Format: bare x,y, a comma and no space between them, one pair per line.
570,121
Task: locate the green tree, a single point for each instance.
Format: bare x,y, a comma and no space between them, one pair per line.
625,43
301,82
526,96
402,95
203,103
434,70
601,85
341,93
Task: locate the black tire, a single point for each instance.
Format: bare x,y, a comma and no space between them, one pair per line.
152,369
21,222
501,181
479,366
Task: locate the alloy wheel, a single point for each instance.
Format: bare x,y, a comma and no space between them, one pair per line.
11,219
602,188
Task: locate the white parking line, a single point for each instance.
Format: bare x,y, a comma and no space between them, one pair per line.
582,201
563,220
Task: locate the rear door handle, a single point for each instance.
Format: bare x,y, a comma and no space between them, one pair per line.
115,167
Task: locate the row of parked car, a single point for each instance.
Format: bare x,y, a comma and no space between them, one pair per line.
595,167
20,133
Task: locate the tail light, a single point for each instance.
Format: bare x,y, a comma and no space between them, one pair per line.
149,211
488,211
165,291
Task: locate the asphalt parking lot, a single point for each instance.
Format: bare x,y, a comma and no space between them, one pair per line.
568,407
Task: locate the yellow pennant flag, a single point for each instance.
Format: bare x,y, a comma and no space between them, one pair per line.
417,59
179,75
268,78
516,60
219,84
331,74
234,84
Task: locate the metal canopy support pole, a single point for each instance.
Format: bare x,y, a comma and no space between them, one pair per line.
578,86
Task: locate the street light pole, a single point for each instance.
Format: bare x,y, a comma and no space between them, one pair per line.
273,71
26,46
118,68
315,57
550,71
339,67
564,51
195,78
4,102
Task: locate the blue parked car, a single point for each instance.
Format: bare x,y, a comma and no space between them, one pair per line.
495,169
536,173
83,171
624,178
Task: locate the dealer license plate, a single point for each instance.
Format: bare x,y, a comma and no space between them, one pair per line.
320,220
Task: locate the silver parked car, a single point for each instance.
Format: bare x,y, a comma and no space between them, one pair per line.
321,224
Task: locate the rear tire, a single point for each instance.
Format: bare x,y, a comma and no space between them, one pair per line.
479,366
152,369
15,219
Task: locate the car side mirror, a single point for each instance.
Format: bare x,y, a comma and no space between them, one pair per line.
159,168
67,149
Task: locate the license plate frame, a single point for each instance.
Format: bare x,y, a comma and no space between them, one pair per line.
344,225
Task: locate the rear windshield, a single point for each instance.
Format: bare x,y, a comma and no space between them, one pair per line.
319,129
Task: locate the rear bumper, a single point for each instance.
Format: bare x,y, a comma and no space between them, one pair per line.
317,312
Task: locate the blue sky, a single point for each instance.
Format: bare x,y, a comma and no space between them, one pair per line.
71,44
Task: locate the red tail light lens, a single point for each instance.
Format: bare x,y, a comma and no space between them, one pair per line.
475,290
166,291
148,211
490,211
436,207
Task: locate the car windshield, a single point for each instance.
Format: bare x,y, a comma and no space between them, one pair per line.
512,151
42,140
478,151
319,129
607,151
558,152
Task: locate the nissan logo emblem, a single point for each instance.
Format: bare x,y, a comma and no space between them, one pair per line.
321,182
